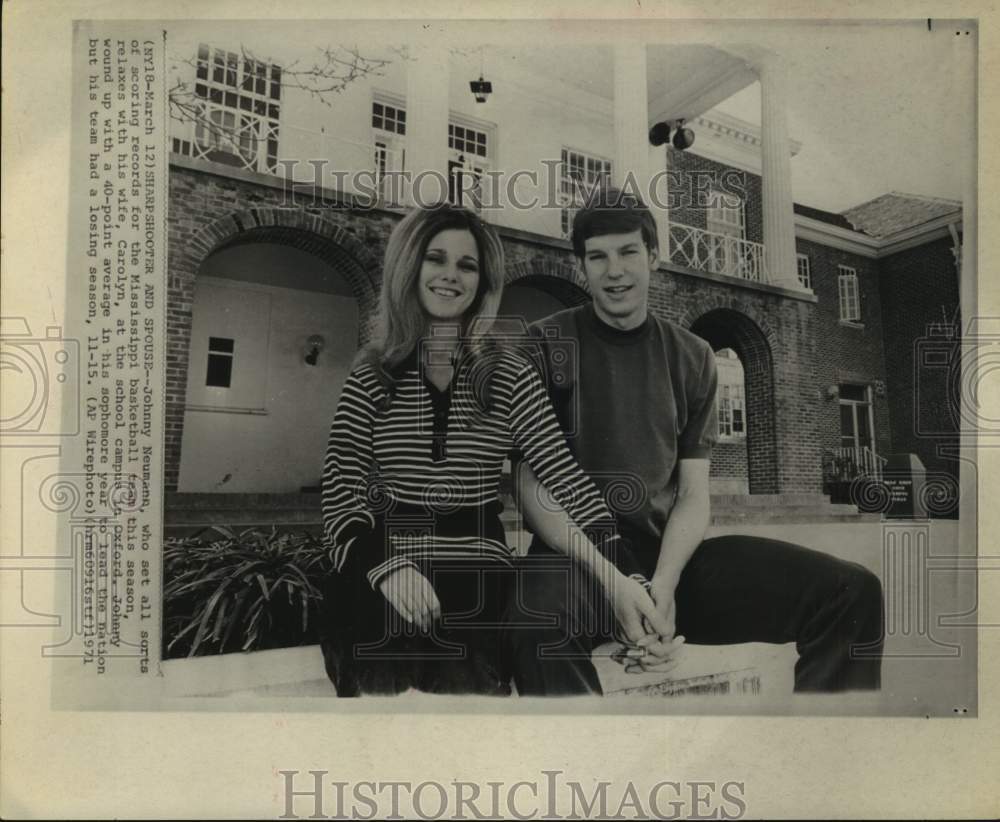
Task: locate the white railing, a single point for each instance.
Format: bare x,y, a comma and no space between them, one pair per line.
237,139
365,169
847,464
717,253
362,168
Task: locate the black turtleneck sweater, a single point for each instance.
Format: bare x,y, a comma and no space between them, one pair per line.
631,403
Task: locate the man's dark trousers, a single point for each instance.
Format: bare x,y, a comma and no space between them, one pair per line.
733,589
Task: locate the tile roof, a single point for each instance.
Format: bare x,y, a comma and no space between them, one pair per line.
822,216
894,212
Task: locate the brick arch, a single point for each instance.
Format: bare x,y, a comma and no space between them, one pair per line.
569,294
700,307
559,278
725,323
297,228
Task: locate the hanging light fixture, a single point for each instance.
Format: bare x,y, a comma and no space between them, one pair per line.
481,88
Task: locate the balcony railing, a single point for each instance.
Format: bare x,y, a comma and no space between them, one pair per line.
847,464
315,153
717,253
365,169
234,139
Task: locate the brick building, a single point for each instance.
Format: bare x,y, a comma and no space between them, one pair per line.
816,316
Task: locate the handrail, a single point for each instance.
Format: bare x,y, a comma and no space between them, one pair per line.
846,464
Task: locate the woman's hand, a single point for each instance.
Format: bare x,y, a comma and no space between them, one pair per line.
635,610
412,595
647,625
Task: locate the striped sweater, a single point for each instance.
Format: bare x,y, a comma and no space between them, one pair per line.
439,451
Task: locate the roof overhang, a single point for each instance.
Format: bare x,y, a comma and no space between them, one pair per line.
856,242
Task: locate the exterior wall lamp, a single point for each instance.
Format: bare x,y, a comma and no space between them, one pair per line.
659,134
313,346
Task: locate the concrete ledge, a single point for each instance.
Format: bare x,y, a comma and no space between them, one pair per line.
300,672
226,673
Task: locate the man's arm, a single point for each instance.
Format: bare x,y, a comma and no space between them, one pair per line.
546,519
685,530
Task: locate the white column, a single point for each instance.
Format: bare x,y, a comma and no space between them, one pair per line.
631,117
427,87
660,206
776,175
630,166
631,125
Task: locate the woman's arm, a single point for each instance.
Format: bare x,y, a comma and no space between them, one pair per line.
548,520
346,467
564,508
536,434
357,542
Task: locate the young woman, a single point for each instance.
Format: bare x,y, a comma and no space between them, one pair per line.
412,472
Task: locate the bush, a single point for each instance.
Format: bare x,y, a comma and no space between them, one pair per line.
248,591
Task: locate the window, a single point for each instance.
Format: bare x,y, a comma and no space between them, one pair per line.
726,227
731,394
467,140
850,303
725,214
856,421
469,147
388,139
237,110
579,175
805,274
388,118
732,411
230,334
468,152
219,373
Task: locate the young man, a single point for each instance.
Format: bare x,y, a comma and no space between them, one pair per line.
635,395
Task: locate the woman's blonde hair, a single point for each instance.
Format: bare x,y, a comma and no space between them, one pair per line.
402,321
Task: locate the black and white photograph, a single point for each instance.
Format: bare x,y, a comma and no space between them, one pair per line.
618,381
592,369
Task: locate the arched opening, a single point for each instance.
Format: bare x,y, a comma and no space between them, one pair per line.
313,234
536,296
274,329
744,357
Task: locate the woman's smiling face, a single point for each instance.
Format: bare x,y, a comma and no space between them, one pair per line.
449,274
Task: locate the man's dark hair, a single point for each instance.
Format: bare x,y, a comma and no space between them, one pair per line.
613,211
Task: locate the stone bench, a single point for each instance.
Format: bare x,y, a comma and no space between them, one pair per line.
747,670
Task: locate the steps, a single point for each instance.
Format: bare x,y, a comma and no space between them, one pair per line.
790,509
186,513
757,509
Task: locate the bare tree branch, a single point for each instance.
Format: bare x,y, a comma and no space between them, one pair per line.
330,72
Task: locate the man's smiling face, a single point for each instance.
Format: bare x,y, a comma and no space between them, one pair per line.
617,267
